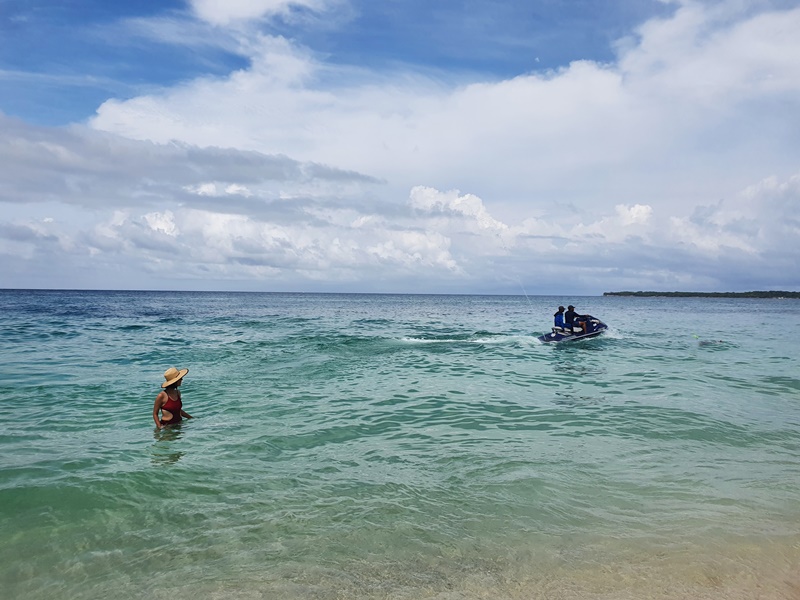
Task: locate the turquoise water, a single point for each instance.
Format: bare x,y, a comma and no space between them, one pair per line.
398,446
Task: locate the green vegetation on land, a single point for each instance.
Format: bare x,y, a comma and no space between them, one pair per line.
769,294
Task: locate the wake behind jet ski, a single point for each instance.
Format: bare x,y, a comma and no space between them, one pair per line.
572,326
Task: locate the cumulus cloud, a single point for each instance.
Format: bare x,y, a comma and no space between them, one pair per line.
668,120
163,222
673,167
630,215
427,199
441,240
232,246
762,220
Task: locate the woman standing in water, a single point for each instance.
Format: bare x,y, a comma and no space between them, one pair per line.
169,400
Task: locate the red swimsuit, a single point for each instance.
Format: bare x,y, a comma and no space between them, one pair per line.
173,406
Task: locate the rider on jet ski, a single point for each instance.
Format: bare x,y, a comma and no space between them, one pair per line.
573,319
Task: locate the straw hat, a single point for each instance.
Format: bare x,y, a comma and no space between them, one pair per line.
172,375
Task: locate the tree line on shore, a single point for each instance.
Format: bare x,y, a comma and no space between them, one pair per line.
758,294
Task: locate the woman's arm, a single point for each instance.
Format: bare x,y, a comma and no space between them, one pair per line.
160,399
184,414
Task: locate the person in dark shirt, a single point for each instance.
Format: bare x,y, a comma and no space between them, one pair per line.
573,319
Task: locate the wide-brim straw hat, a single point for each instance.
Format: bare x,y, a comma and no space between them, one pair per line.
173,375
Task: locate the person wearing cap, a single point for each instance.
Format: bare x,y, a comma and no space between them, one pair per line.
558,318
573,319
168,401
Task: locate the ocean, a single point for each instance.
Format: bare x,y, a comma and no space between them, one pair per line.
350,446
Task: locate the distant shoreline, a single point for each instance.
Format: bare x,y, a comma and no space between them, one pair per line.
769,294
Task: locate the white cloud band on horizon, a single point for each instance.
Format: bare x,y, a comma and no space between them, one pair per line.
440,239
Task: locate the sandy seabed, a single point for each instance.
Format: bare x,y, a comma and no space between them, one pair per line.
762,570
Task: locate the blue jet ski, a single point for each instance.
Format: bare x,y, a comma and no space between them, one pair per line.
594,327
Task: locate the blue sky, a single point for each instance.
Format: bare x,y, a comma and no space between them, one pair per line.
400,146
82,52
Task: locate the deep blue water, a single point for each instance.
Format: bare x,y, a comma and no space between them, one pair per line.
398,446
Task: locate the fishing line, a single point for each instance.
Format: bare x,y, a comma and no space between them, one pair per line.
517,279
524,292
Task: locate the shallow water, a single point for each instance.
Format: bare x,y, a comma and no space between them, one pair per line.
371,446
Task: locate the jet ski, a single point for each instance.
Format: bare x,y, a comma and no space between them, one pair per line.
594,327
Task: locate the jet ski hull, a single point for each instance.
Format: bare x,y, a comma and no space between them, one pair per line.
594,327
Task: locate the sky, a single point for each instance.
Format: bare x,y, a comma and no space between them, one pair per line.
402,146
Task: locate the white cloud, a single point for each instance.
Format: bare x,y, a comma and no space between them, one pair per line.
441,240
611,172
667,122
163,222
430,200
710,53
223,12
637,214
